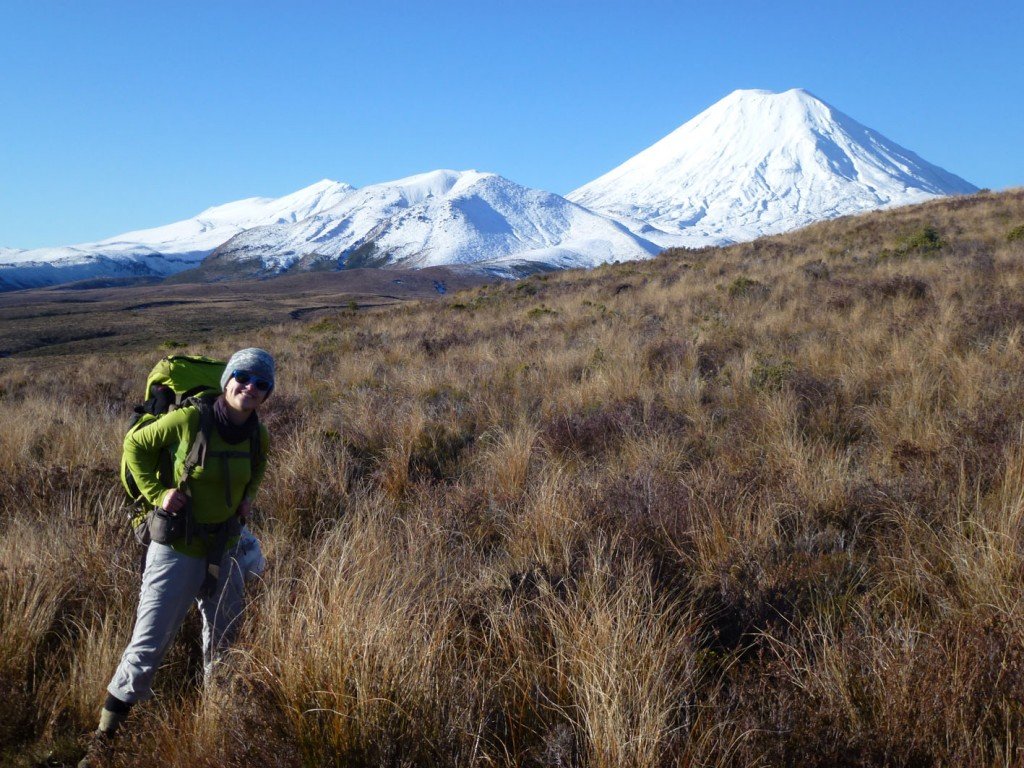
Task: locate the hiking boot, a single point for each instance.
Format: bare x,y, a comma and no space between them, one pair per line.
100,752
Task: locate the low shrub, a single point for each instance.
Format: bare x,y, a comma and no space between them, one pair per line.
541,311
922,242
899,285
745,287
991,318
666,355
712,355
597,430
436,453
771,376
816,270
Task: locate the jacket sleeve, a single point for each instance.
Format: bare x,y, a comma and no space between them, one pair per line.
261,465
142,448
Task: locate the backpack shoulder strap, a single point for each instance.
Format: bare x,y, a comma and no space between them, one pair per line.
255,456
256,447
200,443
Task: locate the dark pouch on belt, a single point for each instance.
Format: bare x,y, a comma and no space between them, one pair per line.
165,527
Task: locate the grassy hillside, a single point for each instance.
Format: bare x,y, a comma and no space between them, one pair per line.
760,505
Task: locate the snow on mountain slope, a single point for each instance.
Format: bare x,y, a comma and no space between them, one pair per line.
755,163
441,217
759,163
163,250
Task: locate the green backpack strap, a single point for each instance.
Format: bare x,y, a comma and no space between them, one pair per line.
200,444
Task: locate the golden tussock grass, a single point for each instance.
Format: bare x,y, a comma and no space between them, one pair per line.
757,505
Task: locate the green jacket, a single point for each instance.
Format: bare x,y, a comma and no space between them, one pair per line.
211,485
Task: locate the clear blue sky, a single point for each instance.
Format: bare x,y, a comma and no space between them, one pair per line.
123,115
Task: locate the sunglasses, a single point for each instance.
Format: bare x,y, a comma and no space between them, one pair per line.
244,377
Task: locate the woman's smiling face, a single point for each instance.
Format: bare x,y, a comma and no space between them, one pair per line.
243,397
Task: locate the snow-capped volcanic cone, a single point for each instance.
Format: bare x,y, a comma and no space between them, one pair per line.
163,250
438,218
760,163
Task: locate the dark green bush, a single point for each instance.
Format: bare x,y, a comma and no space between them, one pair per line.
747,287
540,312
771,376
527,289
923,242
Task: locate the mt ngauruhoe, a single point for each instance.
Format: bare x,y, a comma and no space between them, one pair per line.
759,163
755,163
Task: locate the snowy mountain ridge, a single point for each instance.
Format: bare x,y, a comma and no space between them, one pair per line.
165,250
754,163
438,218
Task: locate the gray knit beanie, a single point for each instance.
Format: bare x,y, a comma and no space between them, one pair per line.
254,360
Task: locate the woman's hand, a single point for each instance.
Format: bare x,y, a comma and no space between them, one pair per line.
244,509
173,501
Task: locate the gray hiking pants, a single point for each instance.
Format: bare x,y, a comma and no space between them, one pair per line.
170,584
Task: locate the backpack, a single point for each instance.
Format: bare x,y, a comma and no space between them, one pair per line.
175,382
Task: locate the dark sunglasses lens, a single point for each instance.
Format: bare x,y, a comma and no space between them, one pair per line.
244,377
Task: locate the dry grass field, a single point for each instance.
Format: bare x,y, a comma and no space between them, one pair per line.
93,317
752,506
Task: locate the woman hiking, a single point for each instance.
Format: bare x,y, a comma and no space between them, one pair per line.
193,530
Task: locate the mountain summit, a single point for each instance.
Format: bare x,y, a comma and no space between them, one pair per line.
755,163
758,163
